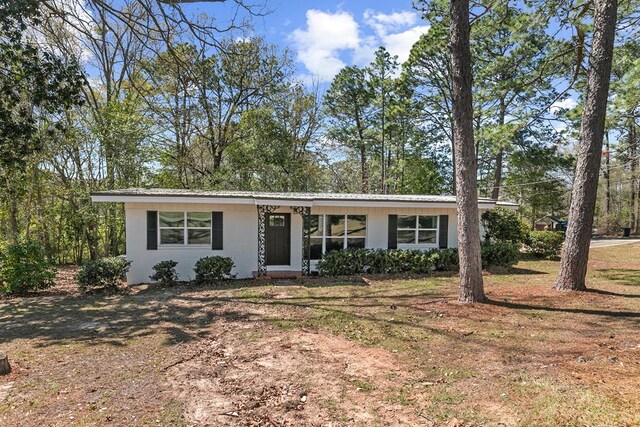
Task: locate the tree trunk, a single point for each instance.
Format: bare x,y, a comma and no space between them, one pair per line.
471,286
383,162
575,253
607,176
42,219
5,368
364,172
497,177
13,216
634,159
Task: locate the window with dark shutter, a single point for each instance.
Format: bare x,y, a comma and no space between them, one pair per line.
443,231
152,230
216,231
392,240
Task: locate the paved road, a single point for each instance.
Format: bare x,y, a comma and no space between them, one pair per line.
605,242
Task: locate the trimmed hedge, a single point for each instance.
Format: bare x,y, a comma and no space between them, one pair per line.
376,261
213,269
545,244
500,254
164,273
104,273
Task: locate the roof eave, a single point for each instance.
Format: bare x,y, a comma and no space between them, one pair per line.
228,200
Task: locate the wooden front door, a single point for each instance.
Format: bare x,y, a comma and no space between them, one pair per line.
278,239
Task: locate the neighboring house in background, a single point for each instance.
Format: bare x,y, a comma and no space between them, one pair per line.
275,232
550,223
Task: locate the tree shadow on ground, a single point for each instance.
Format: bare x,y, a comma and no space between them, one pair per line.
181,312
613,294
606,313
623,276
514,270
184,313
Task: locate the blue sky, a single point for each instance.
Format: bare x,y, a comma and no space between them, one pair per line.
324,36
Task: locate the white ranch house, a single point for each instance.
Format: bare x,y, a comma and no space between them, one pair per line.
275,232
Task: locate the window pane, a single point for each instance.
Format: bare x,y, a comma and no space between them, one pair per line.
172,236
277,221
171,219
199,236
355,242
316,248
316,225
427,236
406,236
357,225
335,225
428,221
334,244
198,219
405,221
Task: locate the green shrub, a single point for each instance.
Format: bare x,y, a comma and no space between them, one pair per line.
395,261
545,244
104,273
398,261
165,273
500,254
376,261
25,268
344,263
213,269
503,225
447,259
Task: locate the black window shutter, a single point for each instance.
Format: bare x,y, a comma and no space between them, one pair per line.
443,231
392,242
152,230
216,231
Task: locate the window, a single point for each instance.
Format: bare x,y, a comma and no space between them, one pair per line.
277,220
185,228
335,232
417,230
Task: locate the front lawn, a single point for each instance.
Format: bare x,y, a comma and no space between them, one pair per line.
372,351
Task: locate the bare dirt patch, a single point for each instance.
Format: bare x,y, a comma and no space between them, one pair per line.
378,351
291,378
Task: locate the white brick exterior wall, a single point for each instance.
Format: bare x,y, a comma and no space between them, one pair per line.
240,235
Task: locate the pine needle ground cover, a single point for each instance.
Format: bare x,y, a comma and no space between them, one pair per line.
373,350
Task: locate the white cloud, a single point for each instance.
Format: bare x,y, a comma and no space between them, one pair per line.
388,30
383,23
401,43
331,39
326,35
565,104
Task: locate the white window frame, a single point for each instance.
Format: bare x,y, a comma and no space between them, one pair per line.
185,231
345,237
417,229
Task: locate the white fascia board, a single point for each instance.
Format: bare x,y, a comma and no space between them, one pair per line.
174,199
279,202
392,204
283,202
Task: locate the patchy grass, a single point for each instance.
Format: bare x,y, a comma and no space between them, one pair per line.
377,351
